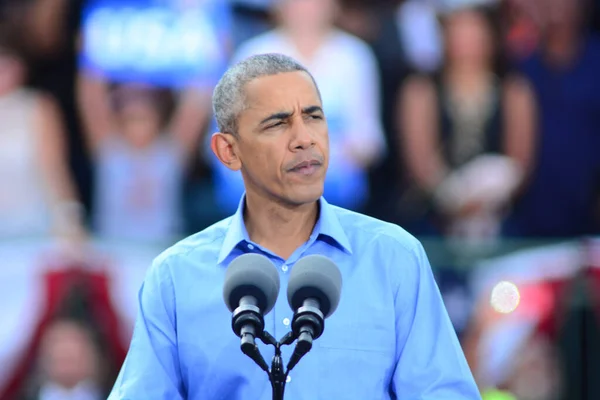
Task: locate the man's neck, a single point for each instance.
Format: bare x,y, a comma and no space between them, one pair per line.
279,228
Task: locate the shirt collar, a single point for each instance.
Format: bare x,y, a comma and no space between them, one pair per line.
327,225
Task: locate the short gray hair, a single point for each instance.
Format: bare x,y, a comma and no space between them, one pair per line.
229,96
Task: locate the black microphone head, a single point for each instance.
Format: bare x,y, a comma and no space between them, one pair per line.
251,275
315,277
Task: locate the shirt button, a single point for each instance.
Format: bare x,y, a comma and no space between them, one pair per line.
286,321
284,268
288,379
250,246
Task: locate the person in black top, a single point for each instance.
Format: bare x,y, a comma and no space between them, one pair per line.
462,132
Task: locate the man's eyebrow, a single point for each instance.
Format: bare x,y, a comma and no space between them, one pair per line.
283,115
312,110
277,116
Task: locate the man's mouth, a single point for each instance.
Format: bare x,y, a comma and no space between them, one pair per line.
307,167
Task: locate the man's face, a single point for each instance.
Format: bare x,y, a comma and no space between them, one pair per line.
282,146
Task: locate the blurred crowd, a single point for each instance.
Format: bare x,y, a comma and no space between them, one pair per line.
473,118
476,121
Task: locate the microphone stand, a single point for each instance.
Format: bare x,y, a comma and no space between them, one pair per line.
277,374
307,325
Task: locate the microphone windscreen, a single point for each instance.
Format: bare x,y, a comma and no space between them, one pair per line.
317,277
251,275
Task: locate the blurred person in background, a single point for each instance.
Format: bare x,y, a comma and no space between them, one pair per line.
522,29
181,45
69,364
140,159
405,37
250,18
346,71
48,32
420,33
38,196
562,197
178,45
466,132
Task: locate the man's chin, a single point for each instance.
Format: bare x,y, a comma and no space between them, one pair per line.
306,195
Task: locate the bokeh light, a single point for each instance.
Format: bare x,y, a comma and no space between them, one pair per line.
505,297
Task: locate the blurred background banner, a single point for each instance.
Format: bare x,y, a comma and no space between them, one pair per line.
160,42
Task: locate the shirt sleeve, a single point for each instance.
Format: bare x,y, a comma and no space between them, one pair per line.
151,368
430,361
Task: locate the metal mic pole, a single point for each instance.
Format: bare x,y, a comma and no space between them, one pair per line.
277,376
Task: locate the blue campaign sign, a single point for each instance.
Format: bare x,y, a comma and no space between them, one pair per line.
163,42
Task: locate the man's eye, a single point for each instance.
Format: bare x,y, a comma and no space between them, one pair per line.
316,117
275,125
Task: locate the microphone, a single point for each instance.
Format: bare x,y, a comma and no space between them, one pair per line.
250,291
313,293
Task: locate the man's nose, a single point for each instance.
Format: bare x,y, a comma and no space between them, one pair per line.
303,137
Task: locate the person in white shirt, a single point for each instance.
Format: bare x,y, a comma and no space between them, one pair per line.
141,157
345,70
38,197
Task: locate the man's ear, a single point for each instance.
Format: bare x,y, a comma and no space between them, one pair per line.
223,145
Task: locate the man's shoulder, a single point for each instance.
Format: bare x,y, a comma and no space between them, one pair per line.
209,240
375,230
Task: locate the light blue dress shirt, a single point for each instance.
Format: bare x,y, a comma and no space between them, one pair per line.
390,338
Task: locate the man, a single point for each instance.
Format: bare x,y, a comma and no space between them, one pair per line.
390,336
340,63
